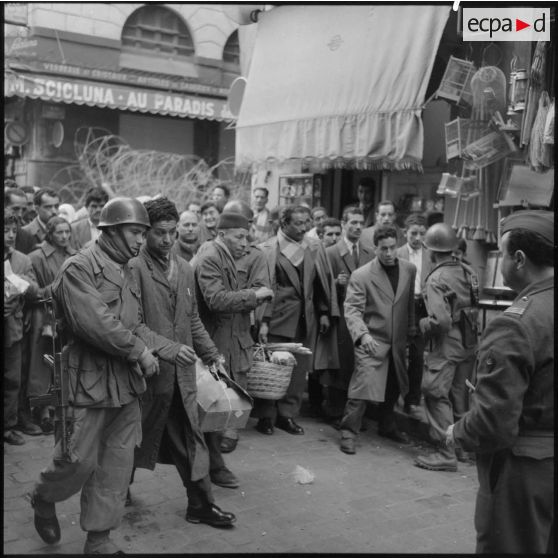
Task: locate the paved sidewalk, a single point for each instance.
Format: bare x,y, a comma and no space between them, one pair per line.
373,502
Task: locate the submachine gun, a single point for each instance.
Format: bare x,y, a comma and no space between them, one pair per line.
57,394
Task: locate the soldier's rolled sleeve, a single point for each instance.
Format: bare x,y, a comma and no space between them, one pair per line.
505,364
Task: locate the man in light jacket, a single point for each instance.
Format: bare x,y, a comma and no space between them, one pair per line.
379,310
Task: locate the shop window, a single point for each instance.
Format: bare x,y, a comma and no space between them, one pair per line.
157,30
231,52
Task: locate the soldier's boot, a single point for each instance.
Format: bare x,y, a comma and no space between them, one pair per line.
45,520
99,542
442,460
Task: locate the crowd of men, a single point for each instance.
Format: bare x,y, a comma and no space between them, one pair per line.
140,291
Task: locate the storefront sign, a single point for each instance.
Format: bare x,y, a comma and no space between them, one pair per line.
25,48
114,96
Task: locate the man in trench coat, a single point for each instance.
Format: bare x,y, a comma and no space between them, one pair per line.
171,432
379,310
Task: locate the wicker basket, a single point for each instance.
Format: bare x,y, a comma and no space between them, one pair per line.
267,380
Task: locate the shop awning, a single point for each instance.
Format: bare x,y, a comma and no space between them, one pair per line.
114,96
339,85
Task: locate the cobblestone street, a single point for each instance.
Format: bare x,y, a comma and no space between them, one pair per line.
376,501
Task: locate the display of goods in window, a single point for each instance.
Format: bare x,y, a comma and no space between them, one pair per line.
487,150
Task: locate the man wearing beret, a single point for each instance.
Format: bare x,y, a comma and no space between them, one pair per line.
224,308
510,424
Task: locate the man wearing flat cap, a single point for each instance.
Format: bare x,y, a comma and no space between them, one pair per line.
510,424
224,308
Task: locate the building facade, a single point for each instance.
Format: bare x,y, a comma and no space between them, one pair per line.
156,76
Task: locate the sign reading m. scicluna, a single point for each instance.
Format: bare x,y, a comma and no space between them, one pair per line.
114,96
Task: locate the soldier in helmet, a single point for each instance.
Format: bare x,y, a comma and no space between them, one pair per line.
107,356
451,300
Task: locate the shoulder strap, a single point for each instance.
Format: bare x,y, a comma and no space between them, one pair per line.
473,280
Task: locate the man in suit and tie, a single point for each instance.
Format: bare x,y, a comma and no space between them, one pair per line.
85,230
46,203
379,310
385,215
413,251
345,256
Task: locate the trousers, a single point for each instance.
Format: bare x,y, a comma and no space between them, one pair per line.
102,457
12,384
199,492
416,357
355,408
514,511
446,395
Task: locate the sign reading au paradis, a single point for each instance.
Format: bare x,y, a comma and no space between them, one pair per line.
114,96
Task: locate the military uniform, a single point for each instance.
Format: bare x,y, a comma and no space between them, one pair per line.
511,426
100,303
450,333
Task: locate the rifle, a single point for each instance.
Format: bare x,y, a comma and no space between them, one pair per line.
57,394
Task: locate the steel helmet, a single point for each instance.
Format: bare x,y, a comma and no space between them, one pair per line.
123,211
440,237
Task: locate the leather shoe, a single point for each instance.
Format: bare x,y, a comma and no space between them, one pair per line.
265,426
211,515
395,435
100,543
223,477
46,522
289,425
47,425
436,462
227,444
13,438
348,445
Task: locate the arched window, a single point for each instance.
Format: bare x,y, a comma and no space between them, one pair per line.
158,30
231,52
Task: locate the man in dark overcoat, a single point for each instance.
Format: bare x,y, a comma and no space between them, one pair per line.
345,256
225,309
301,311
171,432
510,424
